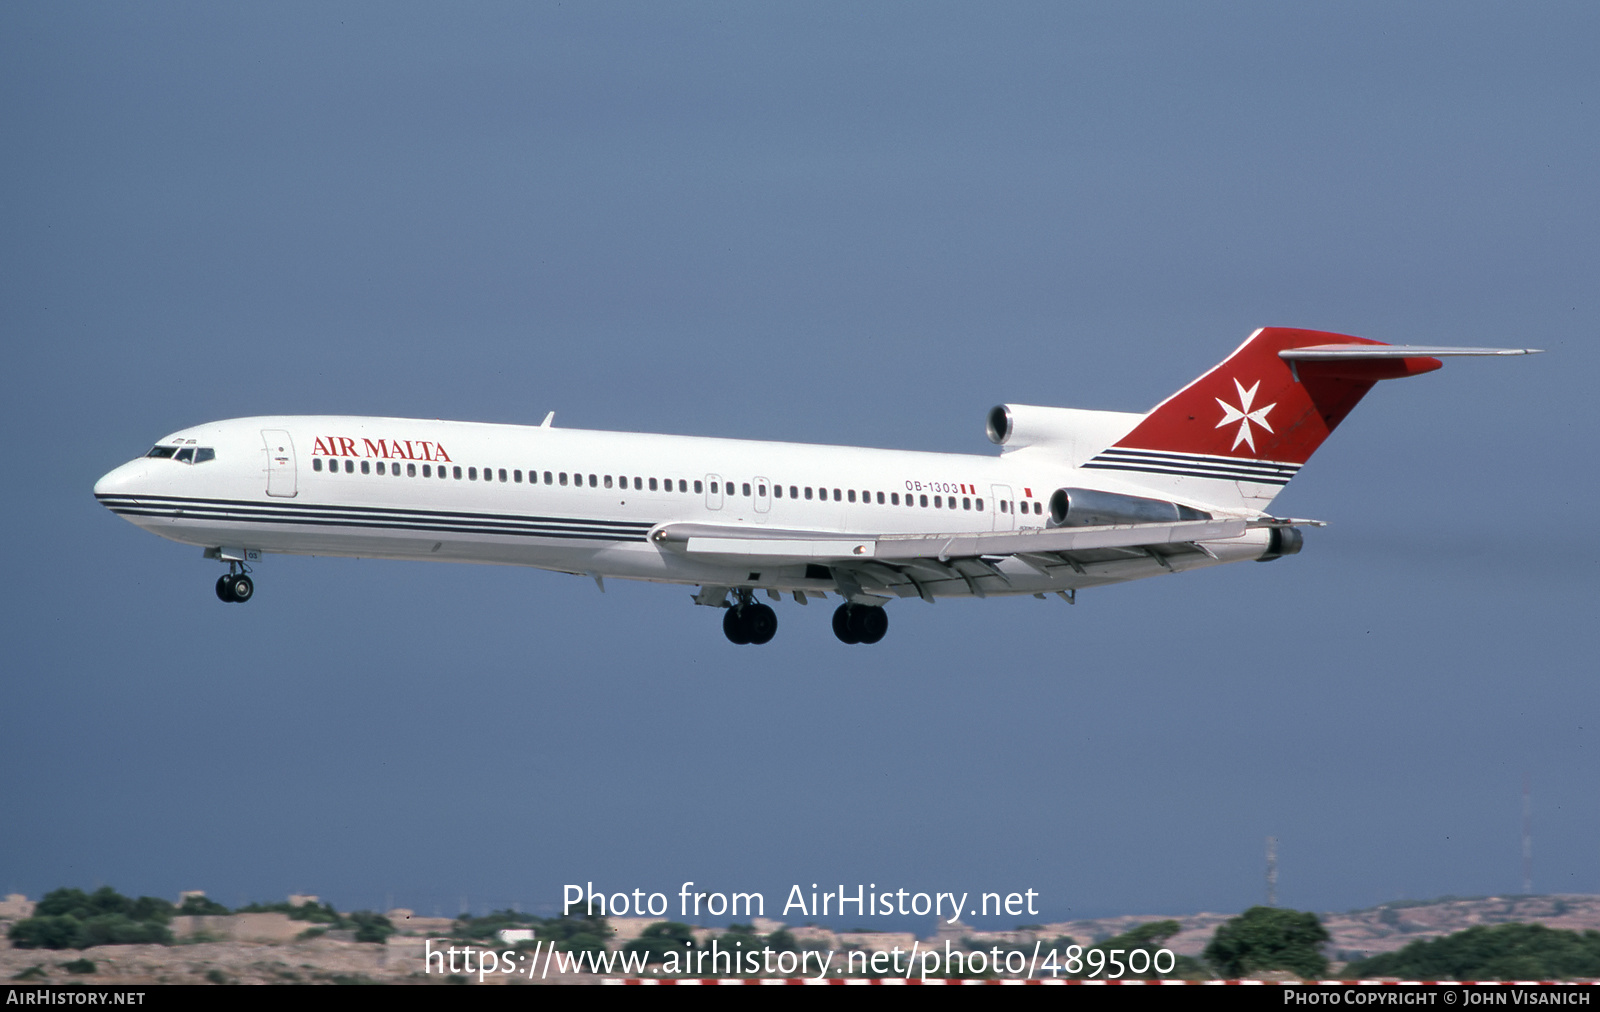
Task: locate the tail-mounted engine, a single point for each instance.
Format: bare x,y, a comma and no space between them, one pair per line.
1282,541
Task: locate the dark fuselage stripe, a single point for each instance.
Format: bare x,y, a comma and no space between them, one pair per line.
1218,475
364,517
439,527
1197,458
352,512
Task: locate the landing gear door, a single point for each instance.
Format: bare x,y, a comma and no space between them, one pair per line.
1005,519
280,463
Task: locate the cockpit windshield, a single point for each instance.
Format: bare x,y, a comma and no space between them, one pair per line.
185,454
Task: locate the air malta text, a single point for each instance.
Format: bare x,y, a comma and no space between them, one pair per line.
381,449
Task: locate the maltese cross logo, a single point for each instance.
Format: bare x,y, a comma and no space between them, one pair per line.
1244,416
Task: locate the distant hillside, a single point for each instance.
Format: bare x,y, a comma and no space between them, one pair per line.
1393,925
1360,933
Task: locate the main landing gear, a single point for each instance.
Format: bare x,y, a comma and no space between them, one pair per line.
860,623
236,587
749,622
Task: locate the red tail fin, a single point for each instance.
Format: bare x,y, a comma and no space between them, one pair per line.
1236,435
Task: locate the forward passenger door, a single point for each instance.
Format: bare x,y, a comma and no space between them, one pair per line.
281,473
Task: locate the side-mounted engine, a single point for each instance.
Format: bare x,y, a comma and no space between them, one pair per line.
1086,507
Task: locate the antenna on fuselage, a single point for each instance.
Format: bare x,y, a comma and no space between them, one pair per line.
547,420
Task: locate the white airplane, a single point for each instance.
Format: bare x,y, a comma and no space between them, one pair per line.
1074,499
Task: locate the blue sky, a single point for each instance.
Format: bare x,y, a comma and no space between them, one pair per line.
834,223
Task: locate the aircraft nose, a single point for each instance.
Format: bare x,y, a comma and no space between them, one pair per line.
121,481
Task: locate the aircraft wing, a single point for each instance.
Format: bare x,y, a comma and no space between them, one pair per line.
902,564
706,539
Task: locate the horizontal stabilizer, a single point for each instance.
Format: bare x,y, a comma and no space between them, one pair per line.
1327,352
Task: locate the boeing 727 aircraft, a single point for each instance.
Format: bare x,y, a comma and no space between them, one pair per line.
1074,499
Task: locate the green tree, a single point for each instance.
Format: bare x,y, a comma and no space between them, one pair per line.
71,918
1269,938
370,927
1150,936
105,900
201,906
1503,952
59,932
782,940
660,938
313,913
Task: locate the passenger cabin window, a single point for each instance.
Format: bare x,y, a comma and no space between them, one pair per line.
699,486
411,470
366,468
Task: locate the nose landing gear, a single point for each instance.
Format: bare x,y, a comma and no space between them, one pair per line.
236,587
860,623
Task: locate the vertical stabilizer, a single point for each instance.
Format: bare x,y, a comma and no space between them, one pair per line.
1234,437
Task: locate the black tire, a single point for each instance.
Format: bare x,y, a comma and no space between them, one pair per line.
871,623
241,588
734,626
760,623
843,624
223,593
